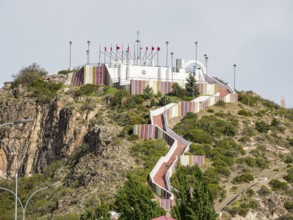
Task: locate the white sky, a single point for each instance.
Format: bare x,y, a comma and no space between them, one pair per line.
257,35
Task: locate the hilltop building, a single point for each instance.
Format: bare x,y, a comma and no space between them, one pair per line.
135,73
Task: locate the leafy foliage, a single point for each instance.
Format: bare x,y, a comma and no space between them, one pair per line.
190,86
28,75
262,127
44,91
148,92
278,185
289,176
194,200
134,202
86,90
147,153
178,90
243,178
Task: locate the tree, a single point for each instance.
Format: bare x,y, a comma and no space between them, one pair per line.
191,87
134,201
193,198
28,75
148,92
178,90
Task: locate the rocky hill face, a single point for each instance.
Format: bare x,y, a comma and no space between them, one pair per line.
73,130
78,138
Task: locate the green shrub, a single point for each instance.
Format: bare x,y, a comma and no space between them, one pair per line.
244,113
178,90
164,100
247,99
44,91
262,127
148,92
288,205
199,136
201,149
210,110
86,90
289,158
278,185
88,105
28,75
118,98
243,178
110,90
289,176
244,139
263,191
220,103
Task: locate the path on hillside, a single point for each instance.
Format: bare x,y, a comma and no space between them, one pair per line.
264,178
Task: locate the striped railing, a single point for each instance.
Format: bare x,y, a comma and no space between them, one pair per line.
173,139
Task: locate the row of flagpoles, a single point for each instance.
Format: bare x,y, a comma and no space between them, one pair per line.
124,56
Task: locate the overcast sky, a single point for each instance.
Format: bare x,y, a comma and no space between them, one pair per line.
257,35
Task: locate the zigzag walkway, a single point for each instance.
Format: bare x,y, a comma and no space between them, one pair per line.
165,167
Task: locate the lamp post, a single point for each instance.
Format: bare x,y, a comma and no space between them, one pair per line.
206,64
70,43
167,43
16,170
234,66
87,56
195,43
24,206
172,54
88,49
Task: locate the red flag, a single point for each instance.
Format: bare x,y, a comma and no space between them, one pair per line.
153,47
117,47
128,48
111,48
158,49
146,47
105,49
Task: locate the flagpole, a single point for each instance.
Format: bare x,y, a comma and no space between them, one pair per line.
111,56
122,54
99,54
105,55
116,53
158,49
134,54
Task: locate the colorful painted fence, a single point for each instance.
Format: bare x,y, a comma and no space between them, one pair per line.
137,86
77,78
97,75
205,88
191,160
182,108
167,204
147,131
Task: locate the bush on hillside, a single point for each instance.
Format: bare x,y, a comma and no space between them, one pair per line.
278,185
86,90
244,113
262,127
243,178
44,91
30,74
198,136
178,90
220,103
263,191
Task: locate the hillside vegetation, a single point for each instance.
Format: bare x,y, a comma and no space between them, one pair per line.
248,148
